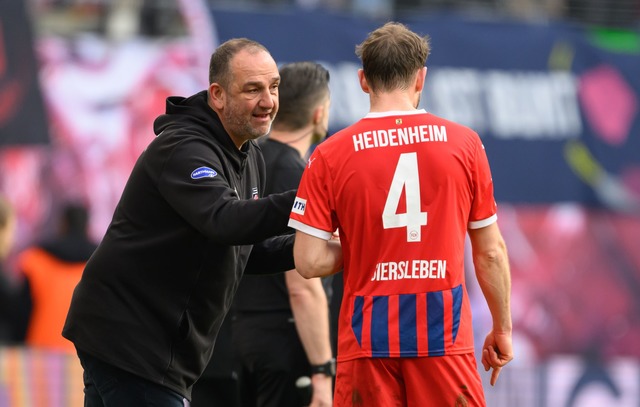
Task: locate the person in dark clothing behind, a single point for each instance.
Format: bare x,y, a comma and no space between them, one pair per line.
9,317
52,268
193,217
280,327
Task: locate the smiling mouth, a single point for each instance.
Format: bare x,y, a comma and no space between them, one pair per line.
265,116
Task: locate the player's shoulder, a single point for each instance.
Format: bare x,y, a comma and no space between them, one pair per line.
451,125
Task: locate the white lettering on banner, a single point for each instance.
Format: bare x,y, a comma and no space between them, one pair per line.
456,94
530,105
414,269
533,105
509,104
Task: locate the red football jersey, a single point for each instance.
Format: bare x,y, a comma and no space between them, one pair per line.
402,188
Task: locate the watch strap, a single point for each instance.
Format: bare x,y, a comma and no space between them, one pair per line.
328,368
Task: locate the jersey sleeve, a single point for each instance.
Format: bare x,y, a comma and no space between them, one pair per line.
313,209
484,207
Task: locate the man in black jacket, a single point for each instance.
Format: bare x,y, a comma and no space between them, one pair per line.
280,327
192,218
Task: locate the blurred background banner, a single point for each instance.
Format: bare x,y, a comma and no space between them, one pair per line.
556,103
22,118
552,103
36,377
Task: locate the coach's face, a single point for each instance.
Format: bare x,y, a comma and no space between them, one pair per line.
250,102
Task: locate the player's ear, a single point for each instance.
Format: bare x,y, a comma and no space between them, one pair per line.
318,113
420,78
216,95
363,81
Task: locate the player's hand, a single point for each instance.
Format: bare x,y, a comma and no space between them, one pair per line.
497,351
322,395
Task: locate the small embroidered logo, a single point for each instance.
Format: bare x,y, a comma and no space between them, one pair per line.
310,161
203,172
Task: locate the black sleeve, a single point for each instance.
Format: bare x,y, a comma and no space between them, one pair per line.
211,204
274,255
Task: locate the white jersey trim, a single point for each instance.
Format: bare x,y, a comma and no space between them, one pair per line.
319,233
483,223
373,115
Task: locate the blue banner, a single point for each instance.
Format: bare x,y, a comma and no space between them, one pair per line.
558,114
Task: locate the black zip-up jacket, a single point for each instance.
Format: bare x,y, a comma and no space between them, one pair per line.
154,293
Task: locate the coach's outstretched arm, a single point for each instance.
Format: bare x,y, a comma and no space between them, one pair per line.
316,257
492,270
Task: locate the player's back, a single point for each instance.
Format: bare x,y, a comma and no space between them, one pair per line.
404,186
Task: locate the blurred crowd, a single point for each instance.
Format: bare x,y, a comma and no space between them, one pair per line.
162,17
34,298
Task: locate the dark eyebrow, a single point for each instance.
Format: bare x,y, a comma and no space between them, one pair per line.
252,84
275,79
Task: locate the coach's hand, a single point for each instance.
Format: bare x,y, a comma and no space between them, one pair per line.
497,351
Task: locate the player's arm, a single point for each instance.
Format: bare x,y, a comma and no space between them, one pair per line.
492,270
316,257
311,314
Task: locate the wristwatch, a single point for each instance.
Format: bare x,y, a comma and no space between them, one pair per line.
328,368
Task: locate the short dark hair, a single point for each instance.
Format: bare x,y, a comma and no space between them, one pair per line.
391,55
303,85
221,57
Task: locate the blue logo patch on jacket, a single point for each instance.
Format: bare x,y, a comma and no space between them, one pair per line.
203,172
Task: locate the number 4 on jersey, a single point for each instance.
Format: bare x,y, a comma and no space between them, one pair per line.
406,177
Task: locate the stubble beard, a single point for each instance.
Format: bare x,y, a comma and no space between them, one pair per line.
243,128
